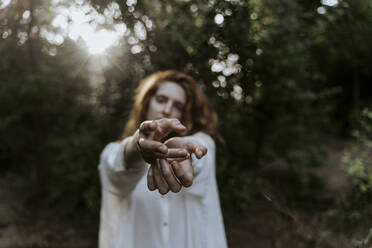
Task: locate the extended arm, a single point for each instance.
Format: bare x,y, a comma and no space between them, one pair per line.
122,164
145,144
173,173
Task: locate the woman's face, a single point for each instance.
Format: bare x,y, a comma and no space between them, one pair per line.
168,102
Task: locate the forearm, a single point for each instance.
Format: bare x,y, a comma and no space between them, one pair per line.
116,176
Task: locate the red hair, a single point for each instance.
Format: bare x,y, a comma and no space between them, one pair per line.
198,115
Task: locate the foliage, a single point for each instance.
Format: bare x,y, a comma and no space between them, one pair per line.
48,126
364,242
268,113
354,209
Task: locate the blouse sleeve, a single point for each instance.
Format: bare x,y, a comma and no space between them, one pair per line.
116,177
204,168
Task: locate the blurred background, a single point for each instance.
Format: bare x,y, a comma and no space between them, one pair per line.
290,80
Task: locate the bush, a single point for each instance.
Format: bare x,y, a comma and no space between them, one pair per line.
355,208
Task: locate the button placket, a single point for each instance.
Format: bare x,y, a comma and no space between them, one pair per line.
165,221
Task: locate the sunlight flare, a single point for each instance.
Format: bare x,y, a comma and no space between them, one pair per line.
83,22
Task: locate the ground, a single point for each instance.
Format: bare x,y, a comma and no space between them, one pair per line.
260,227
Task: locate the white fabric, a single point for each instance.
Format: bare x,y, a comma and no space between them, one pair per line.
134,217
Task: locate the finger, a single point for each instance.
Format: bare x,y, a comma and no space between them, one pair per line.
169,177
177,153
160,183
171,124
147,129
196,148
184,172
170,160
200,151
147,126
166,126
147,145
174,153
150,179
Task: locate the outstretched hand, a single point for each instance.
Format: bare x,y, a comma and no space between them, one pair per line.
149,135
177,172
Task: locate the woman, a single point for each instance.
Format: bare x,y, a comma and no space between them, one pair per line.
176,159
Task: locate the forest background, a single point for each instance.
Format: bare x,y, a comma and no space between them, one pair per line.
289,79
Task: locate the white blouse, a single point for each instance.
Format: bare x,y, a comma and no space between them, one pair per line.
134,217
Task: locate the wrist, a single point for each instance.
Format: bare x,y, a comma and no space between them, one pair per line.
131,150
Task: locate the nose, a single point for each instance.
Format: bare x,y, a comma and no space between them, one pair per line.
167,109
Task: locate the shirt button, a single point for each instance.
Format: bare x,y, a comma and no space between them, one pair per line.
165,223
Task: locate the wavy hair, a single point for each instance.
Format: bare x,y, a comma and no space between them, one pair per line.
198,115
